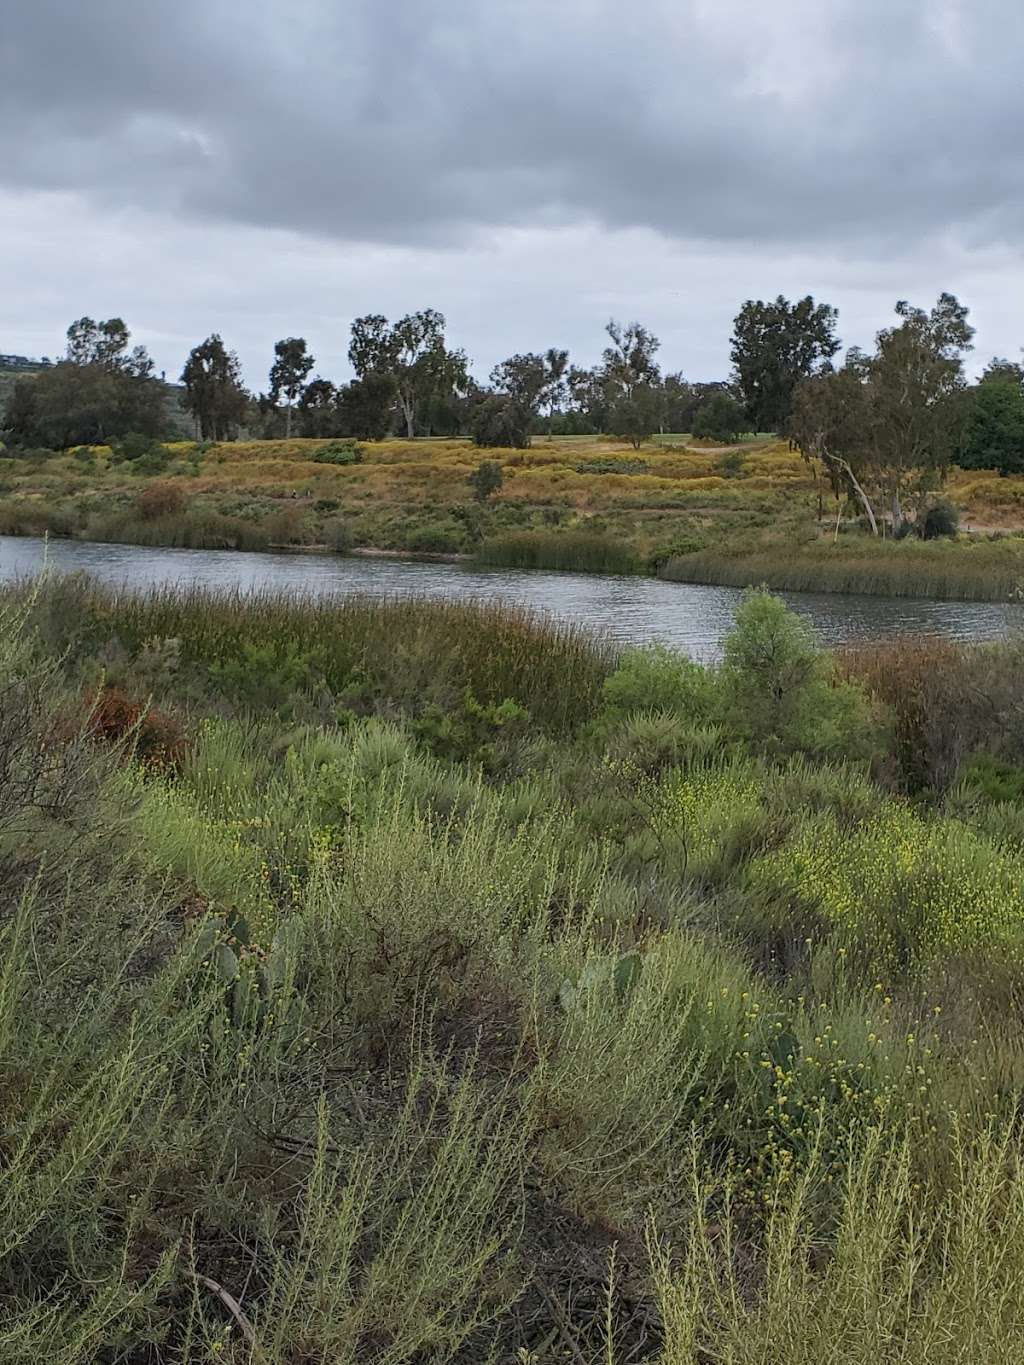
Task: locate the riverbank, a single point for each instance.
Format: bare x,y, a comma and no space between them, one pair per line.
737,516
426,981
968,569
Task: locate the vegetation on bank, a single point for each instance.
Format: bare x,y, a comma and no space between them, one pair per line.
743,515
968,569
419,982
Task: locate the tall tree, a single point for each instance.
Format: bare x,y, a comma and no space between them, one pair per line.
916,379
414,353
994,434
556,389
523,378
1000,371
629,360
100,390
214,392
830,423
318,409
774,346
288,374
366,407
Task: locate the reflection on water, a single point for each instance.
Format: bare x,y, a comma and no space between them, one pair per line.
690,617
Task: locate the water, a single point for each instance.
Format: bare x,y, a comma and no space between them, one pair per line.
690,617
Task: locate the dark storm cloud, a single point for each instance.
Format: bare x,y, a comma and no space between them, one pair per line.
416,121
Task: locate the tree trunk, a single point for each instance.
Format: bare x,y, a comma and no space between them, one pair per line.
288,422
862,496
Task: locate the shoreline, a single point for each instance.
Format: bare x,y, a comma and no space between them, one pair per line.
884,580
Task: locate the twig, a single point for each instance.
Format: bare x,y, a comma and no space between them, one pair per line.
232,1305
561,1321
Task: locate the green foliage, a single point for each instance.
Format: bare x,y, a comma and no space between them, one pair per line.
407,994
779,692
435,538
941,518
482,734
656,678
339,452
580,551
636,414
719,418
994,779
135,445
486,480
774,346
994,434
501,421
612,466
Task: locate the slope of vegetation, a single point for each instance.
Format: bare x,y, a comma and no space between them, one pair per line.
746,515
420,983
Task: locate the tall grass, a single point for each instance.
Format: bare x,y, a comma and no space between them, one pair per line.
193,529
410,649
915,1275
978,571
573,551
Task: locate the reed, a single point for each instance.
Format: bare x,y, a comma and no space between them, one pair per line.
193,529
410,649
572,551
985,571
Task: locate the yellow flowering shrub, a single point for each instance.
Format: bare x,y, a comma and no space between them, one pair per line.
906,887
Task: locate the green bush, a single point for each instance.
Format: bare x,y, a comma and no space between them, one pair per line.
941,519
338,452
612,466
656,678
501,421
779,690
134,445
486,480
441,538
719,418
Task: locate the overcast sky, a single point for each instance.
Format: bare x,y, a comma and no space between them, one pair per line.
529,167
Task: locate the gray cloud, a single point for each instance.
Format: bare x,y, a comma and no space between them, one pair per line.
268,168
420,120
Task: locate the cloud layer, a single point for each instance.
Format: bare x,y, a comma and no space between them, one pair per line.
452,141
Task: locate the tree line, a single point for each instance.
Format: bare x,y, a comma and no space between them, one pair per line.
878,427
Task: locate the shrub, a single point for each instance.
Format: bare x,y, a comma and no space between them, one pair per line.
612,466
338,452
656,678
441,538
160,500
134,445
997,781
731,465
338,535
287,526
501,421
941,519
153,736
486,480
779,692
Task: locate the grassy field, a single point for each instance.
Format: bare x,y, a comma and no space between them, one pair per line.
428,984
746,514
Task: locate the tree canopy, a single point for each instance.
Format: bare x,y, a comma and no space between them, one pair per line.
774,346
214,392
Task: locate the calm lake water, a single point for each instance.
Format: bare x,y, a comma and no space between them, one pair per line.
638,610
